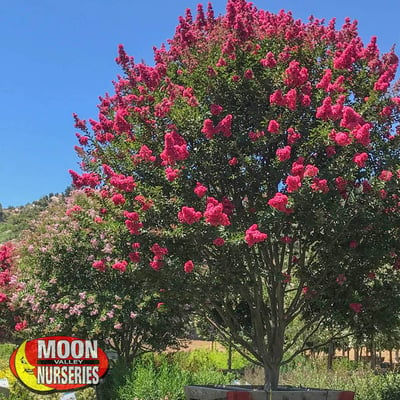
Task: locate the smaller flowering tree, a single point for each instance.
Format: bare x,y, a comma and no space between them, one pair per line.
82,278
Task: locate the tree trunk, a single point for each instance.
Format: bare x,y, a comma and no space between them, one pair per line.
373,353
271,374
230,355
272,359
331,353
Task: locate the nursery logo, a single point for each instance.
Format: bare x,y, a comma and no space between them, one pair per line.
58,363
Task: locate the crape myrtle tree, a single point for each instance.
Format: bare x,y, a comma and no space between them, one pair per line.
268,148
78,280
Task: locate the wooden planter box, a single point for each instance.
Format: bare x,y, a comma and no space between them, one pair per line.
246,392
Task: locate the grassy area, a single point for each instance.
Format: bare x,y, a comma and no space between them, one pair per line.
5,372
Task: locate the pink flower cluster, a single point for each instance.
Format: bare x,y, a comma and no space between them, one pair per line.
279,202
159,254
273,126
99,265
311,170
253,235
326,83
135,255
8,282
385,175
383,82
320,185
20,326
83,140
360,159
86,179
200,190
219,242
73,209
233,161
356,307
284,153
224,127
132,222
215,214
171,173
145,203
351,119
298,167
118,199
341,279
144,154
175,148
358,129
293,183
216,109
291,98
351,53
292,136
294,75
331,111
120,266
122,182
6,254
254,136
189,215
269,60
188,267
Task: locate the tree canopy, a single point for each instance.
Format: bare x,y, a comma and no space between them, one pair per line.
259,155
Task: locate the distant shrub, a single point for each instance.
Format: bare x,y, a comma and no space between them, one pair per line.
203,359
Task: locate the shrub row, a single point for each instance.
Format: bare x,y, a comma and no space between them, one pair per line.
156,377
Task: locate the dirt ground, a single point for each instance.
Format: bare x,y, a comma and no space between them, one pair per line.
189,345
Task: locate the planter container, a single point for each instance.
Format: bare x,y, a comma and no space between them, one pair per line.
247,392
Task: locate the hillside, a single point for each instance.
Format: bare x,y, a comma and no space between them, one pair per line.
13,220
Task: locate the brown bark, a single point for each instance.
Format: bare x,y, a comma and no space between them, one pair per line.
271,372
331,352
230,355
373,353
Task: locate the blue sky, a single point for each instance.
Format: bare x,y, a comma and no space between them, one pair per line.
58,57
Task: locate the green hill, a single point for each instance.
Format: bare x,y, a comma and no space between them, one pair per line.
13,220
